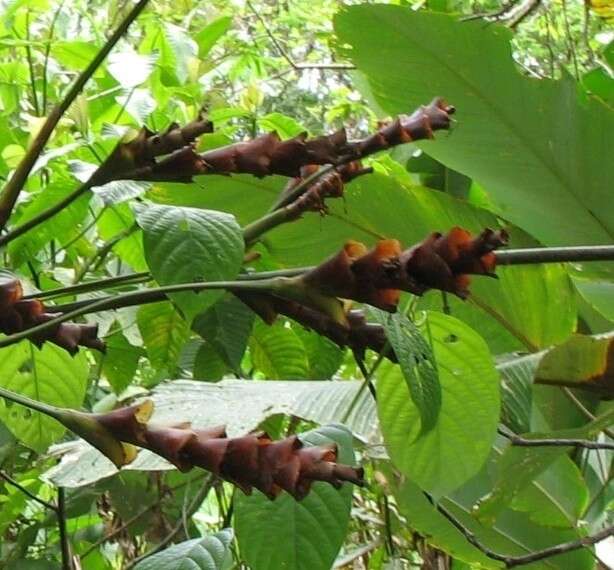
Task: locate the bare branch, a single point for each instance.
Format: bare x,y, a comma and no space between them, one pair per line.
513,561
25,491
555,442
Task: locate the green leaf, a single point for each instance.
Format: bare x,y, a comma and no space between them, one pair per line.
536,146
455,449
115,220
417,362
517,391
164,333
244,196
286,127
49,375
183,245
323,355
210,34
208,553
308,534
226,326
277,352
208,364
62,227
120,361
75,55
583,362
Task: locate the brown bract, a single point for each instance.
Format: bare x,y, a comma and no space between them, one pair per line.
377,276
250,461
139,158
17,315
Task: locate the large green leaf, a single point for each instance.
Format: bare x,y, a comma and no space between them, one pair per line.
455,449
417,363
50,375
242,405
308,534
184,245
539,147
164,333
208,553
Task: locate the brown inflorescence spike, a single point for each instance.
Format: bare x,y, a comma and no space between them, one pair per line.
376,276
250,461
137,158
18,314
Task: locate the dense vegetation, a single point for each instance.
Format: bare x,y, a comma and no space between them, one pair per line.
306,285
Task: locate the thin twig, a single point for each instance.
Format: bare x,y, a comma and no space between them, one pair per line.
25,491
513,561
97,285
12,189
64,543
587,413
286,56
554,442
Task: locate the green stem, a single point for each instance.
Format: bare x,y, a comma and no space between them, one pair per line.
253,231
13,187
97,285
41,407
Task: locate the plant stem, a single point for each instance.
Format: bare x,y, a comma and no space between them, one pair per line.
513,561
41,407
555,254
138,298
64,543
554,442
13,187
25,491
99,284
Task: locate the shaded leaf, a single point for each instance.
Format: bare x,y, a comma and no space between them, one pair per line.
226,326
417,362
547,150
308,533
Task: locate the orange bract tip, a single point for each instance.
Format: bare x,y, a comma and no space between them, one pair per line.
387,248
355,249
